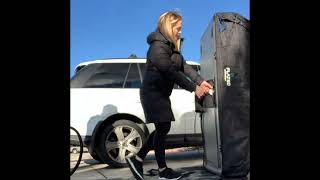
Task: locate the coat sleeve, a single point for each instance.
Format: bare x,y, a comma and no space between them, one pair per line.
190,72
186,68
160,57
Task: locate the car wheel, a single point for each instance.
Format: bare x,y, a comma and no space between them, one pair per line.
119,140
94,155
74,151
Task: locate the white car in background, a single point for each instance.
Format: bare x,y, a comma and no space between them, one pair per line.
106,110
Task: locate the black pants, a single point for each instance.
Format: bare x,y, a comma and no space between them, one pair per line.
156,139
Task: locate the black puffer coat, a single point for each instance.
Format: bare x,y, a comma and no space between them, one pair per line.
164,68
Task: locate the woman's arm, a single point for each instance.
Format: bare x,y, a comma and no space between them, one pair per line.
186,68
159,56
178,59
190,72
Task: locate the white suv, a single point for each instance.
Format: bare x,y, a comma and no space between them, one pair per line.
106,110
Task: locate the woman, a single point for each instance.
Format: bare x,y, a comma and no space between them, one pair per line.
165,67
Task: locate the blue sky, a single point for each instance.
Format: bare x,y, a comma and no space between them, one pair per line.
102,29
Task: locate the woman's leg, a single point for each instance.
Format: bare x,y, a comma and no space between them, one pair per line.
161,131
156,140
146,147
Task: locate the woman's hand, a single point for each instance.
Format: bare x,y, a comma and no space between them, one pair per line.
199,92
206,87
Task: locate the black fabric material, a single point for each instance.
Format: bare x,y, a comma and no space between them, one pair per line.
232,43
156,140
233,50
164,67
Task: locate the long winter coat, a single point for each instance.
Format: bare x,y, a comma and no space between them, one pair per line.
164,68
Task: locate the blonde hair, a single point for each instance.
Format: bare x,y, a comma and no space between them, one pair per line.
165,24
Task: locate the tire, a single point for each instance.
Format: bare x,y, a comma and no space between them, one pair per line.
74,151
94,155
121,139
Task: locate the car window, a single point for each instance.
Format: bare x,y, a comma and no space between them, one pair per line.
108,75
81,77
113,75
196,68
132,79
142,67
